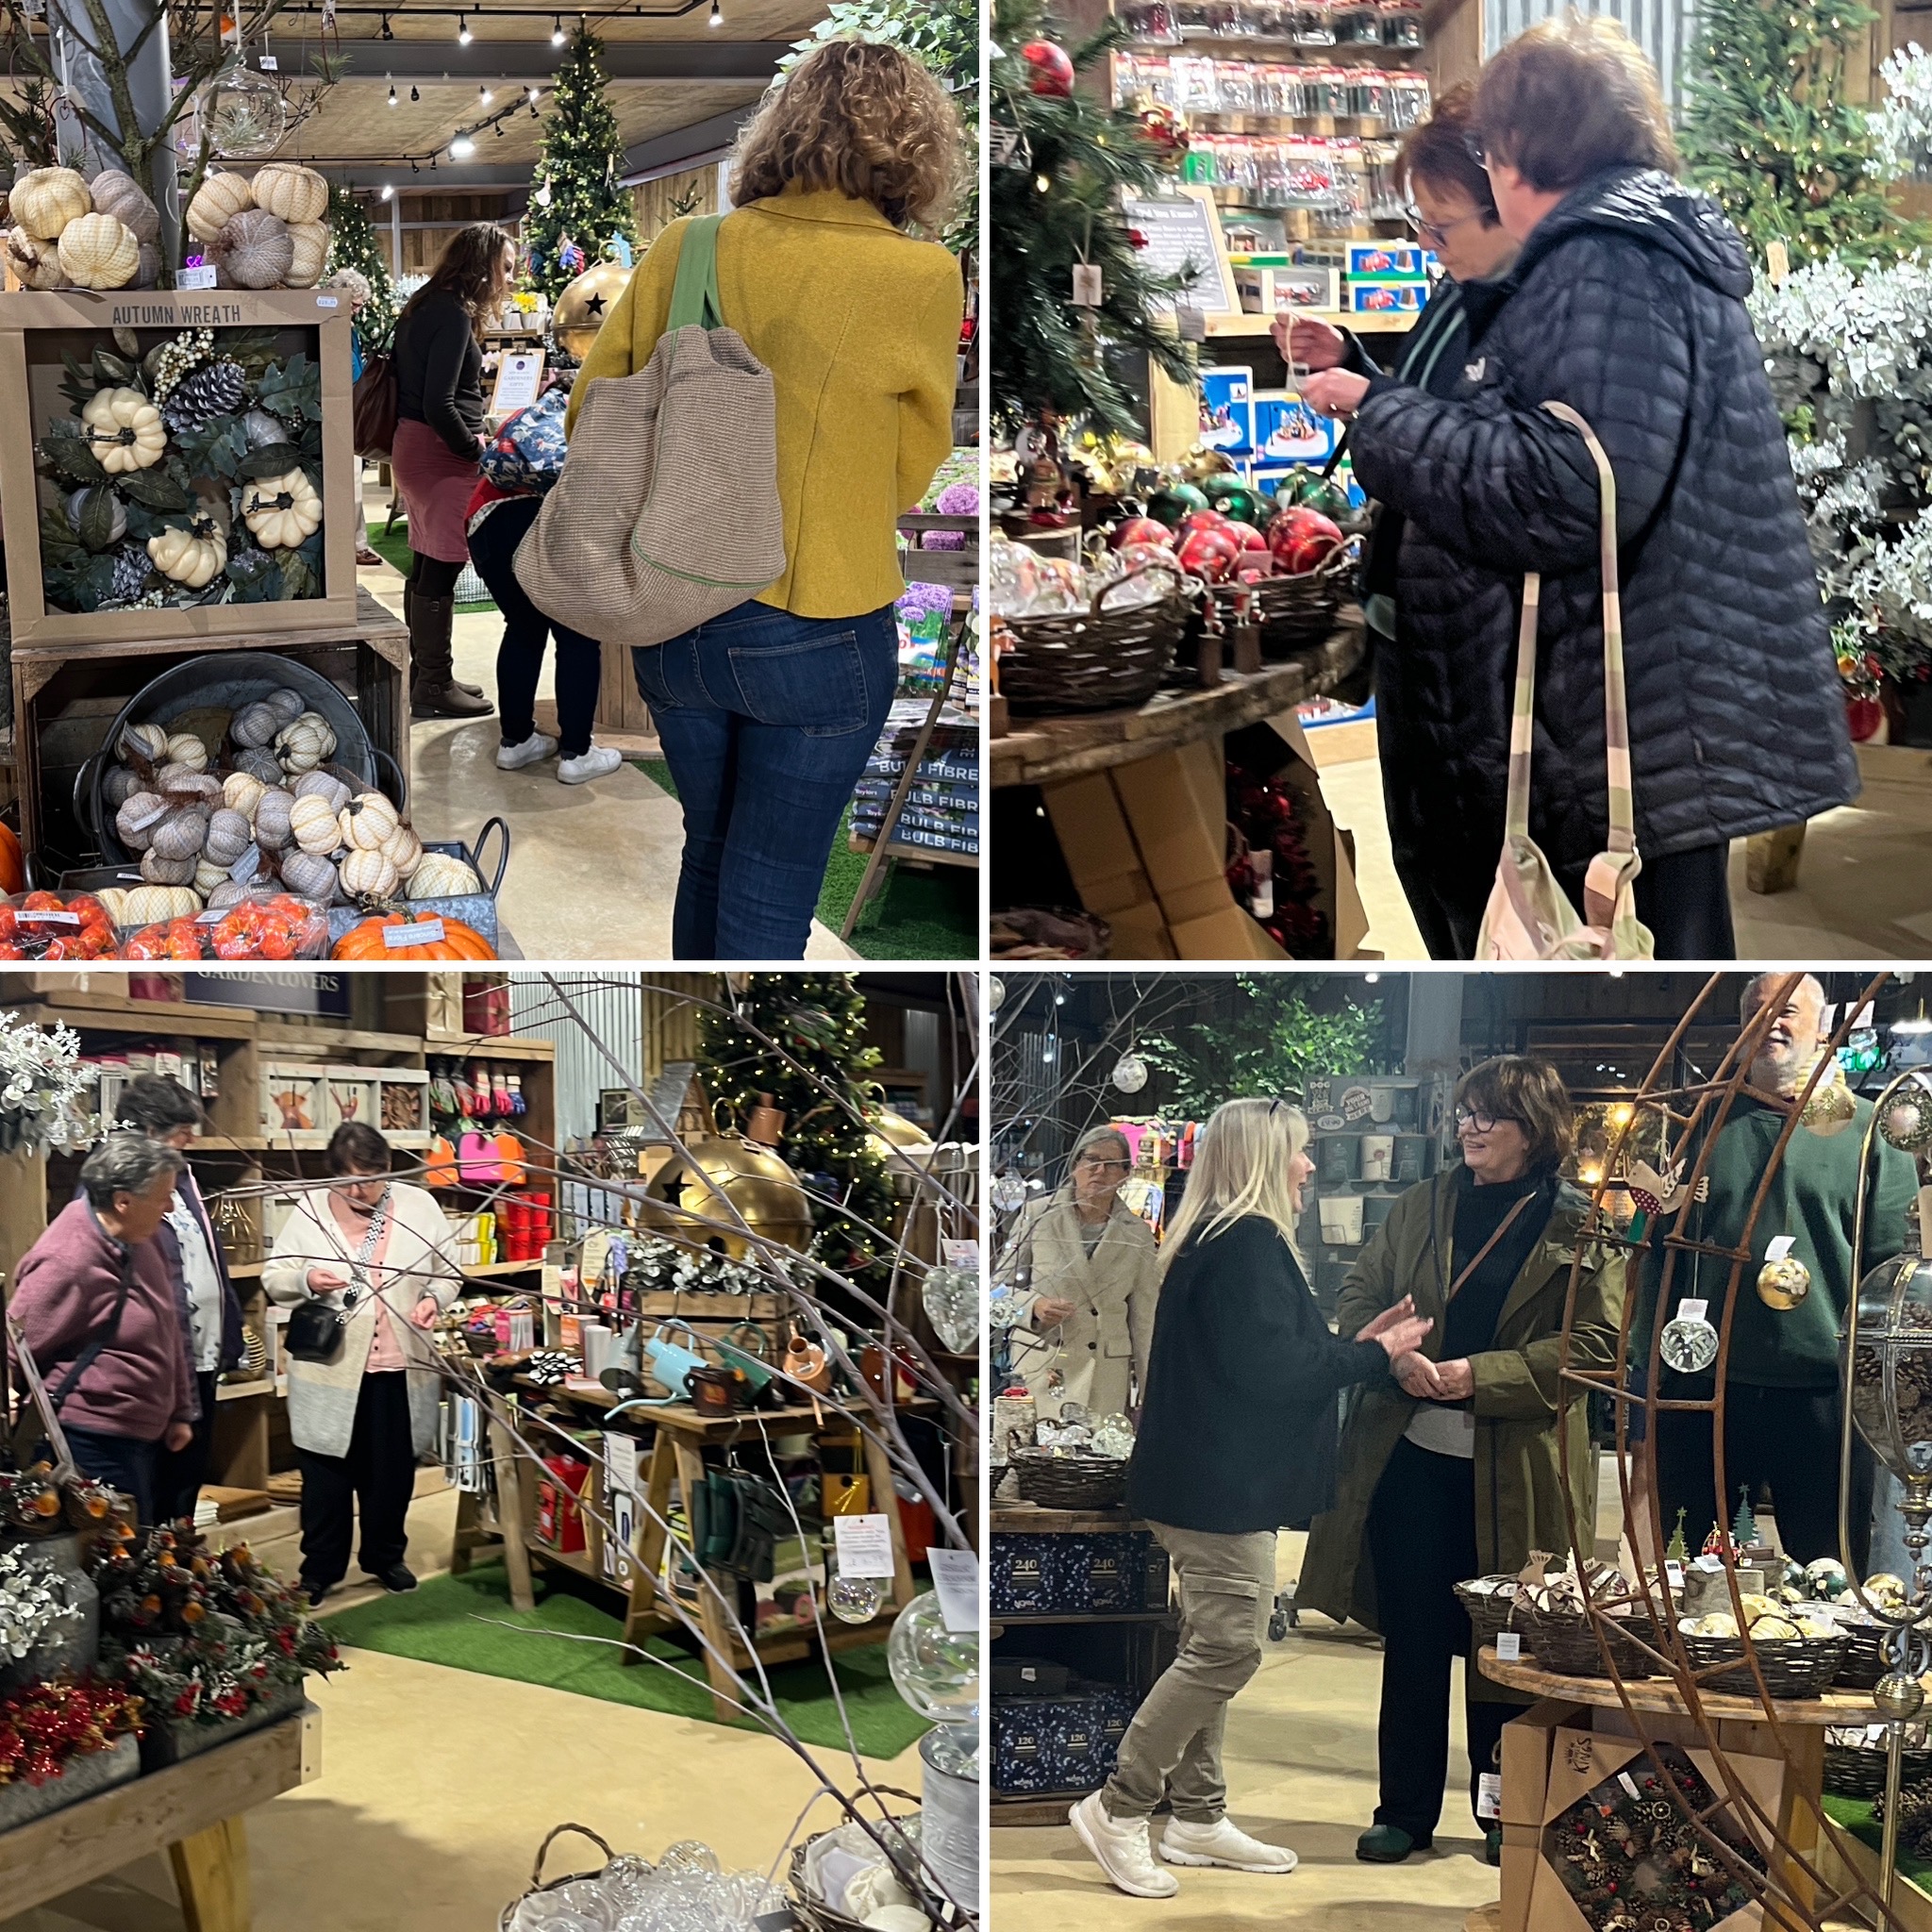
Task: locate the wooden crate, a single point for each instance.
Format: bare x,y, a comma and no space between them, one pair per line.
67,696
35,330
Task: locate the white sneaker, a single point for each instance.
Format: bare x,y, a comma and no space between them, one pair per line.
1222,1843
1121,1848
598,762
534,749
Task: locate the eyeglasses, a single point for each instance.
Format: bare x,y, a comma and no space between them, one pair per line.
1483,1122
1436,233
1104,1166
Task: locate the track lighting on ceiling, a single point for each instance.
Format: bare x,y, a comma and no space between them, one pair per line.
389,194
717,14
483,96
464,34
534,92
460,149
388,33
557,29
415,93
391,93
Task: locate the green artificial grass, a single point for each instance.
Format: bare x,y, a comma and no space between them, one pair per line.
392,543
658,772
457,1621
1859,1817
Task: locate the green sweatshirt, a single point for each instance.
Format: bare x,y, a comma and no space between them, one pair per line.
1814,1198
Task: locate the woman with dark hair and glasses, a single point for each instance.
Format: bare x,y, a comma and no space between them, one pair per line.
1094,1279
1452,1468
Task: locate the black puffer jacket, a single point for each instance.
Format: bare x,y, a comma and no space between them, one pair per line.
1627,303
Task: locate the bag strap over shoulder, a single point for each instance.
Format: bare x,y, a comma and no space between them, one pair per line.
694,294
1599,892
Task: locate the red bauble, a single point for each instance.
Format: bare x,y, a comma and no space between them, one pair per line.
1209,554
1202,520
1302,539
1053,71
1163,128
1246,535
1141,530
1863,716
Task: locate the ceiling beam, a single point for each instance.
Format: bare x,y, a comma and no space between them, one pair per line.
526,63
701,139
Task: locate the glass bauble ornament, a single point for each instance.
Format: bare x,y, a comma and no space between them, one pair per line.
1824,1579
1783,1284
950,1299
1113,1436
1891,1365
1831,1108
1689,1344
855,1599
1906,1120
1129,1072
1008,1193
245,115
996,993
936,1670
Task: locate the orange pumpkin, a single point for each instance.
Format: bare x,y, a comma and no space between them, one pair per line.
12,869
366,942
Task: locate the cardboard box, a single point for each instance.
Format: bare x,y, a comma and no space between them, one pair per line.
349,1096
1383,298
294,1105
1385,260
1100,853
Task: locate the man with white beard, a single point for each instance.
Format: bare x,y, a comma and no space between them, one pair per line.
1781,1406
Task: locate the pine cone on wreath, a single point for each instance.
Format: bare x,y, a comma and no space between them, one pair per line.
220,389
1914,1817
132,570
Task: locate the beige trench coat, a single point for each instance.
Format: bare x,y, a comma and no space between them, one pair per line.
1105,1340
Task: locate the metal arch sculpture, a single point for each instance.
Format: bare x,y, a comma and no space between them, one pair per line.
1792,1890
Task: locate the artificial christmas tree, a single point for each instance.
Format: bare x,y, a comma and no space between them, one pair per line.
353,244
1059,163
815,1024
1770,132
578,208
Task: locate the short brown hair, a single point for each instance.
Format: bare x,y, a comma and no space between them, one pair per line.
1569,98
355,1147
1437,151
1513,1087
860,118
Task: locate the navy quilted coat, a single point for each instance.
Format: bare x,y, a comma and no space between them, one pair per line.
1627,303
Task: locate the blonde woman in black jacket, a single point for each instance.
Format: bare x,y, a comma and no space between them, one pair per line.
1236,1439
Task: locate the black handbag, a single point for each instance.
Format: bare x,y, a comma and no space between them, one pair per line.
316,1327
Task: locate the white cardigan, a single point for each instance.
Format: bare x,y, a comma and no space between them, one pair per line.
417,1261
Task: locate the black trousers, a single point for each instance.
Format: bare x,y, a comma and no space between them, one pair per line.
378,1474
1684,898
1786,1438
1421,1539
180,1473
129,1465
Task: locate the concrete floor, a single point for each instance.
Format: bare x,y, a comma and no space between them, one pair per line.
1864,887
438,1785
593,868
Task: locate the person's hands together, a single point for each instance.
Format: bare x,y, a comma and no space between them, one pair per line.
1457,1379
1049,1311
1397,1311
178,1437
1418,1377
1336,392
1308,344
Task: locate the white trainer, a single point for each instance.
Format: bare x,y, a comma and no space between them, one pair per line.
1222,1843
1121,1848
598,762
534,749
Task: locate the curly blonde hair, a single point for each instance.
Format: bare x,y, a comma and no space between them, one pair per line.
864,120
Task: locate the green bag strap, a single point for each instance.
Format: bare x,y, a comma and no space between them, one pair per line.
694,294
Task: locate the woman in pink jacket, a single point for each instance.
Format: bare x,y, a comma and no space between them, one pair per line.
95,1304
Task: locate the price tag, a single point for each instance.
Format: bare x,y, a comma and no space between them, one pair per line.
422,932
245,869
1709,1565
48,918
270,64
1087,292
1489,1795
1777,262
1777,1250
1629,1784
865,1545
956,1580
328,301
1191,324
1673,1575
1508,1646
147,819
213,916
201,277
961,1254
1691,1310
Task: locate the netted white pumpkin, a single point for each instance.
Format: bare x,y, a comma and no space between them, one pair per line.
287,703
135,823
44,200
185,748
311,874
282,511
254,250
207,874
118,784
261,765
322,785
34,262
254,725
114,902
147,743
159,870
368,822
441,876
152,904
314,825
403,850
230,835
183,784
180,835
294,192
303,744
99,252
309,242
273,830
369,875
217,201
242,792
125,431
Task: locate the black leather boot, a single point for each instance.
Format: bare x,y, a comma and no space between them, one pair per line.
432,693
475,691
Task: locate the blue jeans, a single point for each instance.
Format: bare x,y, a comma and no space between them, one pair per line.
766,721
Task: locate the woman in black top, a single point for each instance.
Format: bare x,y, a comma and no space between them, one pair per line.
1236,1439
440,419
1455,1469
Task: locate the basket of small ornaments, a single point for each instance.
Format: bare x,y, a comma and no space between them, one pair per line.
1491,1603
843,1880
1580,1612
1798,1646
1076,1462
687,1886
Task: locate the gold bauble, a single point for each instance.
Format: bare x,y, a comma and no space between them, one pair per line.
582,307
691,1199
1782,1285
1201,462
1831,1108
897,1142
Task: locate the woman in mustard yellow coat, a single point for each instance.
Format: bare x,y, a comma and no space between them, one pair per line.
768,714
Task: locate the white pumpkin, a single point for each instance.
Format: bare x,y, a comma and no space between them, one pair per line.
310,874
310,239
254,725
207,874
99,252
403,850
294,192
36,263
322,785
368,822
184,748
281,510
152,904
148,743
218,198
442,876
303,744
314,825
44,200
369,875
125,430
188,559
114,902
121,195
242,792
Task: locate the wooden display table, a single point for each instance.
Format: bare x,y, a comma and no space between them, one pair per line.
677,1437
1038,750
193,1810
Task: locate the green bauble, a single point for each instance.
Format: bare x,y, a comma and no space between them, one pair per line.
1234,498
1173,500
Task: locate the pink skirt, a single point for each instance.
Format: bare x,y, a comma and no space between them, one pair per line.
435,485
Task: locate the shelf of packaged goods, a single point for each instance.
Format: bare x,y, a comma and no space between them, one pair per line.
1029,1519
1275,51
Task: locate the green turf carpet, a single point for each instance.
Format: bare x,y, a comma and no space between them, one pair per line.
440,1623
393,546
1859,1817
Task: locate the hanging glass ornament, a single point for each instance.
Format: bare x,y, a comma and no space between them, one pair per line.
1831,1109
1008,1193
1689,1344
1129,1072
245,114
1907,1122
950,1299
855,1599
996,993
1784,1283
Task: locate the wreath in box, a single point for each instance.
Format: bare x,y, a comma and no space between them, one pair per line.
190,473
